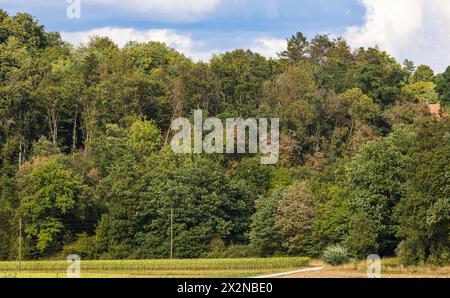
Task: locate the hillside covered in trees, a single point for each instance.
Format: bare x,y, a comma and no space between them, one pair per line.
86,166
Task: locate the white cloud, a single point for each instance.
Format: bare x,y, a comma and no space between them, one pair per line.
182,43
123,35
412,29
178,10
197,50
269,47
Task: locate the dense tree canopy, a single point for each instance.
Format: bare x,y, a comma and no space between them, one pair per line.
86,166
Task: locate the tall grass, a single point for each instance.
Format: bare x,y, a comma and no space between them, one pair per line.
188,264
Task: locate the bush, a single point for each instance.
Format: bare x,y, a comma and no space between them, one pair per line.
414,252
216,249
335,255
45,148
85,247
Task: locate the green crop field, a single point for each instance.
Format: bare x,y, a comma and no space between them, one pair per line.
156,268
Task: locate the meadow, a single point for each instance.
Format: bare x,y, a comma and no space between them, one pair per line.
248,267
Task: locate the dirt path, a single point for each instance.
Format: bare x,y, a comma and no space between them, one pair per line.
286,274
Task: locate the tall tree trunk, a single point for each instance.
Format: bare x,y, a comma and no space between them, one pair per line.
316,137
55,131
74,132
20,153
53,124
351,130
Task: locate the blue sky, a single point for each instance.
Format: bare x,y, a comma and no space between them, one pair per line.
274,16
406,28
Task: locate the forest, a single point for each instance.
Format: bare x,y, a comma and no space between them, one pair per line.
86,165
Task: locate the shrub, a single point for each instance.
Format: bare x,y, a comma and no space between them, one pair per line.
216,249
85,247
45,148
335,255
414,252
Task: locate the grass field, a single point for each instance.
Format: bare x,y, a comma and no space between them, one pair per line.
156,268
209,268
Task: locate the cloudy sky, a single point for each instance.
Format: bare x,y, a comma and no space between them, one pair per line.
415,29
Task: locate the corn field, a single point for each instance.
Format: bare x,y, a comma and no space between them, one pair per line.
139,265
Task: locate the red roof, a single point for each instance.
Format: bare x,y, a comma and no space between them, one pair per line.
436,110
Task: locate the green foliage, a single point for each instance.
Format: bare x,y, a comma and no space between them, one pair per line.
240,251
335,255
85,162
378,75
283,177
422,91
86,247
443,86
362,235
330,224
45,148
240,75
264,234
144,137
361,107
295,217
407,113
423,73
202,199
423,214
153,56
49,193
166,265
216,249
335,72
297,47
139,140
219,250
376,175
8,205
24,28
201,196
253,174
